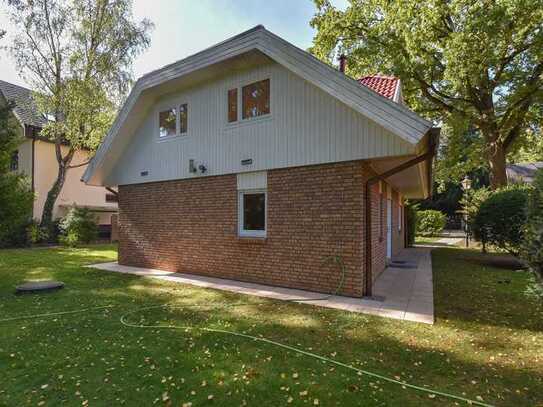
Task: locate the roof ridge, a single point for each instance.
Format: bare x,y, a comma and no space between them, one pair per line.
154,71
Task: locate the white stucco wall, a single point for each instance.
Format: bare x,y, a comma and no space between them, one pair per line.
73,192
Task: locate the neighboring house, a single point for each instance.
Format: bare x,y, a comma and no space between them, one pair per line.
36,158
523,173
251,161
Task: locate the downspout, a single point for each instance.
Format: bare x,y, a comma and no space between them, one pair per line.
368,279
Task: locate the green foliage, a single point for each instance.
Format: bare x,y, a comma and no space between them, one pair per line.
430,222
79,226
16,197
411,222
532,246
16,200
78,54
471,202
501,217
463,63
36,234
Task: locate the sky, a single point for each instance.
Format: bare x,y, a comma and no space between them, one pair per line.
184,27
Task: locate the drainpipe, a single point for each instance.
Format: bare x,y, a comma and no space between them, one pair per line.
433,137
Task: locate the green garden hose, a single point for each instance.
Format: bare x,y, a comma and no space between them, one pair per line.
124,321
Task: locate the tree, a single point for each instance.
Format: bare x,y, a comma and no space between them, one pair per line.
16,197
475,62
78,55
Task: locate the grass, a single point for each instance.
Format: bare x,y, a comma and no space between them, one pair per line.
486,344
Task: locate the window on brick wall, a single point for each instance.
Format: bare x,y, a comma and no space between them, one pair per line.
252,213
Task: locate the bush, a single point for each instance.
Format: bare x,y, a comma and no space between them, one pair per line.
16,200
430,222
79,226
471,202
532,245
501,217
411,222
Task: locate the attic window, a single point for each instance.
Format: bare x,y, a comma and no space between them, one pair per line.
233,105
256,99
183,118
167,123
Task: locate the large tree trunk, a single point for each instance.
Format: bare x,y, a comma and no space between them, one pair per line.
47,214
497,162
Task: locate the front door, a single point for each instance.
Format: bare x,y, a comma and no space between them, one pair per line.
389,228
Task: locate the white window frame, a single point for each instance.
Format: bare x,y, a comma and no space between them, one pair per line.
177,107
252,233
164,109
239,87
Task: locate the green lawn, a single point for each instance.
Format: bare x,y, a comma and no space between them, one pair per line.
487,342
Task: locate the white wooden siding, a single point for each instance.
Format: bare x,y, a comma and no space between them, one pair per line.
306,126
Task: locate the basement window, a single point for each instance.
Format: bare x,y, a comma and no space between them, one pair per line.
252,213
167,123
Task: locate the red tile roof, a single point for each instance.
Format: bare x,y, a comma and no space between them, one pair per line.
384,85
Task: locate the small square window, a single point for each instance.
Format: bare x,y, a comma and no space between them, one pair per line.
256,99
252,213
232,105
167,121
183,118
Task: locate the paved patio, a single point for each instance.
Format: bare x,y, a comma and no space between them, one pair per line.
407,293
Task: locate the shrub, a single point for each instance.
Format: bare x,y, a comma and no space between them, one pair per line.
411,222
501,217
430,222
16,200
471,202
35,233
79,226
532,245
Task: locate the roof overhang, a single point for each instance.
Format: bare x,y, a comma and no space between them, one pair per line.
414,182
243,49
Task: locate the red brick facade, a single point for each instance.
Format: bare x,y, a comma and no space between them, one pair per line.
313,212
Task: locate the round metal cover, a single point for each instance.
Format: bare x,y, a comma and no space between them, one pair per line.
35,286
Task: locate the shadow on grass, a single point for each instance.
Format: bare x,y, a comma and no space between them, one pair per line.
112,362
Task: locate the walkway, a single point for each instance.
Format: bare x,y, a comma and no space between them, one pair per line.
407,293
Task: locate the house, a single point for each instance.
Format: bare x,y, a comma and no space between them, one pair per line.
522,173
36,158
254,161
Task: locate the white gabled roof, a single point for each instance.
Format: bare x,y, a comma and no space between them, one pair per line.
394,117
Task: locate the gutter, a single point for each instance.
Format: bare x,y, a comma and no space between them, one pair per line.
433,134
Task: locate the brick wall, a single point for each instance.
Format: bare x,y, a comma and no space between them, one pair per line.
191,226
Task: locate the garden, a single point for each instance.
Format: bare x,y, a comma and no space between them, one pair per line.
477,349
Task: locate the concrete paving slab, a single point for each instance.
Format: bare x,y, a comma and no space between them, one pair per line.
408,293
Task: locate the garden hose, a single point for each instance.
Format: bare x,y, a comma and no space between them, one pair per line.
125,322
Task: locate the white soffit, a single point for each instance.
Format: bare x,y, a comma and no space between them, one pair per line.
393,116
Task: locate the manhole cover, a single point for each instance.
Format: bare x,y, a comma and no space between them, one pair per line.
36,286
